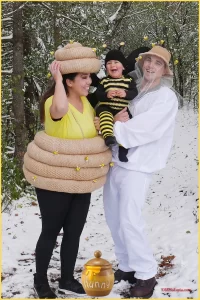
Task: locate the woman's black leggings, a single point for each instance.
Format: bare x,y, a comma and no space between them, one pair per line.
60,210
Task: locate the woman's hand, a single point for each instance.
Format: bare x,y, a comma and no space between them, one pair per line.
97,123
122,116
55,71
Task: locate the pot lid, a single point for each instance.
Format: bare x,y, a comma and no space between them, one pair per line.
97,261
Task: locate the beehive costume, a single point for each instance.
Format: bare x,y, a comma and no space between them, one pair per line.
65,162
69,156
107,108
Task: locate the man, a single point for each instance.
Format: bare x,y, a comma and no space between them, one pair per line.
148,136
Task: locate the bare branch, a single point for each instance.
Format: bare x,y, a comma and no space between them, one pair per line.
46,6
120,14
114,16
68,18
6,72
6,53
77,23
135,13
6,39
20,7
6,19
178,5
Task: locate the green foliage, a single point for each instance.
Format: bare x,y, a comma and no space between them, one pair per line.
13,183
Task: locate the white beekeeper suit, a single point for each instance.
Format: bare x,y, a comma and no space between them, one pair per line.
148,136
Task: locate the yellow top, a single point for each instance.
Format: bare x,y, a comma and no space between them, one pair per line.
74,124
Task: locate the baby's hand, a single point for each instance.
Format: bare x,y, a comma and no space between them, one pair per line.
111,94
121,93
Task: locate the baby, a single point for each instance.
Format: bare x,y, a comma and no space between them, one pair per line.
114,93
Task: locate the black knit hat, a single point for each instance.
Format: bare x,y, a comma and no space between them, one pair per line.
116,55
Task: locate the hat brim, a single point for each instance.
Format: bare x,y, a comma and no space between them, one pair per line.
141,61
83,65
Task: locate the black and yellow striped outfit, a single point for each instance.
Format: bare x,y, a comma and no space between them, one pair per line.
107,108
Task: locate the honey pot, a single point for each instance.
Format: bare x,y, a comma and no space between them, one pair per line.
97,277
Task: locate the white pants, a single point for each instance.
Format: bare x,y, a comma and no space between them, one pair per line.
124,197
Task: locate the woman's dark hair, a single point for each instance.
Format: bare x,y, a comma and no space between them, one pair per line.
50,92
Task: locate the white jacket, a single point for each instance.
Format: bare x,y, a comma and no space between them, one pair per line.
149,134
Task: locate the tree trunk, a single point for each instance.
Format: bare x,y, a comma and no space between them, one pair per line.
115,24
31,97
56,28
18,84
180,81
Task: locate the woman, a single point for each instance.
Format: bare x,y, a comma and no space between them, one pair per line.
148,136
66,114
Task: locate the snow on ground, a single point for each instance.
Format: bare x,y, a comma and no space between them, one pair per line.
171,225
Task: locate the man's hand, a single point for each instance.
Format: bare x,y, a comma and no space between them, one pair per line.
122,116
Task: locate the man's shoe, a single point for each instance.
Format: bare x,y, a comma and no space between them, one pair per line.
143,288
126,276
42,288
110,141
71,287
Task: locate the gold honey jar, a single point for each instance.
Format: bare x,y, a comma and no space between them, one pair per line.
97,277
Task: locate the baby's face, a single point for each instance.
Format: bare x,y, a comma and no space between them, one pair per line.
114,68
